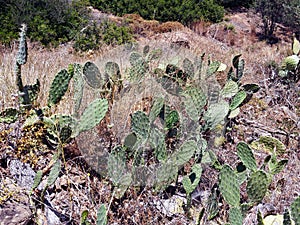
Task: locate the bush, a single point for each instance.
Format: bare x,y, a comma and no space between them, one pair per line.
92,36
50,22
112,34
164,10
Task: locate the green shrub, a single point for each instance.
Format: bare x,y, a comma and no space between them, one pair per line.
49,22
88,38
163,10
113,34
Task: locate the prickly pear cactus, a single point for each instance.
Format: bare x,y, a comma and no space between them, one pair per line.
140,124
235,216
188,68
238,100
92,75
184,153
257,186
112,71
59,87
230,89
229,186
92,115
246,155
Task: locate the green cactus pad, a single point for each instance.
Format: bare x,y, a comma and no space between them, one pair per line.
238,100
269,144
276,167
101,215
92,115
140,124
189,184
246,155
154,55
135,59
295,210
172,119
235,216
212,68
59,87
230,89
257,186
92,75
112,70
216,114
188,68
184,153
194,102
156,109
229,186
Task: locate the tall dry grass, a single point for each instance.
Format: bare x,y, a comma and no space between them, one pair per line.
43,64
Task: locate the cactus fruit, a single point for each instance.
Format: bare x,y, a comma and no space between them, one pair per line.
230,89
238,100
295,210
59,87
140,124
246,155
257,186
229,186
91,116
92,75
235,216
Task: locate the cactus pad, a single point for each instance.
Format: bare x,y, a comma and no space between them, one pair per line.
238,100
92,75
230,89
188,67
184,153
59,87
78,87
112,70
235,216
257,186
22,53
140,124
92,115
246,155
216,114
229,186
295,210
194,102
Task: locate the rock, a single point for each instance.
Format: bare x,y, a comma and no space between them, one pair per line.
15,214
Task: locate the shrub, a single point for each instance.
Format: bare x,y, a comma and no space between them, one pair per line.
50,22
113,34
163,10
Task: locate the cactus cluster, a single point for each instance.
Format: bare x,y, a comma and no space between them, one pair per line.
290,68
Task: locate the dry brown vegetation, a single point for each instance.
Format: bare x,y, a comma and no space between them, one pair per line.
275,110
